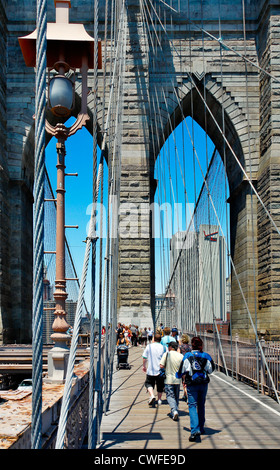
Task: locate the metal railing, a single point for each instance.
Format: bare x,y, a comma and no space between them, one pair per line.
242,360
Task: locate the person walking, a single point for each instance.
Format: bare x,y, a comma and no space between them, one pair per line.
197,366
144,336
184,348
185,344
119,330
152,356
122,340
171,361
175,335
150,335
134,335
140,337
165,340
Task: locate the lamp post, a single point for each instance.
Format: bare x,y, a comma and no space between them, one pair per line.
68,47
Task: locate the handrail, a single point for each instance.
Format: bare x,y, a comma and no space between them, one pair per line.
242,366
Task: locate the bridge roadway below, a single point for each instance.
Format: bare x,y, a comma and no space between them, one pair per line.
237,416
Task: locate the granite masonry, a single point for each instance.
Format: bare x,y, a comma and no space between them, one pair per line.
241,99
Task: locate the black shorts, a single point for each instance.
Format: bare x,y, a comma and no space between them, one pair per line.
151,380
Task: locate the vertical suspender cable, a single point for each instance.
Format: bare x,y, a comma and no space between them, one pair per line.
215,329
253,190
71,361
107,338
251,198
204,100
109,314
37,320
195,278
99,371
98,382
91,239
93,265
98,407
224,157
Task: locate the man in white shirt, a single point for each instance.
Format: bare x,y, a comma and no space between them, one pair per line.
151,365
171,361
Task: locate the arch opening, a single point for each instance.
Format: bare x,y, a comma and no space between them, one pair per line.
194,231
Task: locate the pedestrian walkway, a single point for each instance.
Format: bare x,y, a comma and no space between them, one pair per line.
237,417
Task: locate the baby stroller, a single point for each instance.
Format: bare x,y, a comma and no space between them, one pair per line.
122,353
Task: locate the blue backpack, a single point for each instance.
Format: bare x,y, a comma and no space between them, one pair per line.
198,373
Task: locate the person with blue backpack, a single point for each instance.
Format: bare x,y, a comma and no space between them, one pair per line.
196,366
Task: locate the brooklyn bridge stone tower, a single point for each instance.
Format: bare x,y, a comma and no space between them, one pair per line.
245,91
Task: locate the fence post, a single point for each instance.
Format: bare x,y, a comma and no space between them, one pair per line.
262,366
236,356
219,359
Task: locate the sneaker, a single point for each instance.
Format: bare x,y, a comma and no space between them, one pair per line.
151,401
159,402
194,437
175,416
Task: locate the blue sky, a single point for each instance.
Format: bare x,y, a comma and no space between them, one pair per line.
178,168
168,169
78,197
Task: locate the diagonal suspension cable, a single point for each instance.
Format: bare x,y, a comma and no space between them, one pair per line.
211,198
224,45
221,132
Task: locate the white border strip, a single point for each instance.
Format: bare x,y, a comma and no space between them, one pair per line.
247,394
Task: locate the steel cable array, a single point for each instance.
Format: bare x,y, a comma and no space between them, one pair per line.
206,206
96,391
157,17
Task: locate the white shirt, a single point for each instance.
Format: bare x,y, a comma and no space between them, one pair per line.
153,352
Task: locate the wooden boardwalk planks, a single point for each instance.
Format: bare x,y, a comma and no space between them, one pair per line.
237,417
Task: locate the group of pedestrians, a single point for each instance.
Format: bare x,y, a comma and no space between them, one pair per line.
169,360
132,335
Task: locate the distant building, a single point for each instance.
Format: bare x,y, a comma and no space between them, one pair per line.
49,307
47,288
228,295
48,317
199,278
164,309
85,326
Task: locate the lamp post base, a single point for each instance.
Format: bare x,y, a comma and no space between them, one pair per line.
57,364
